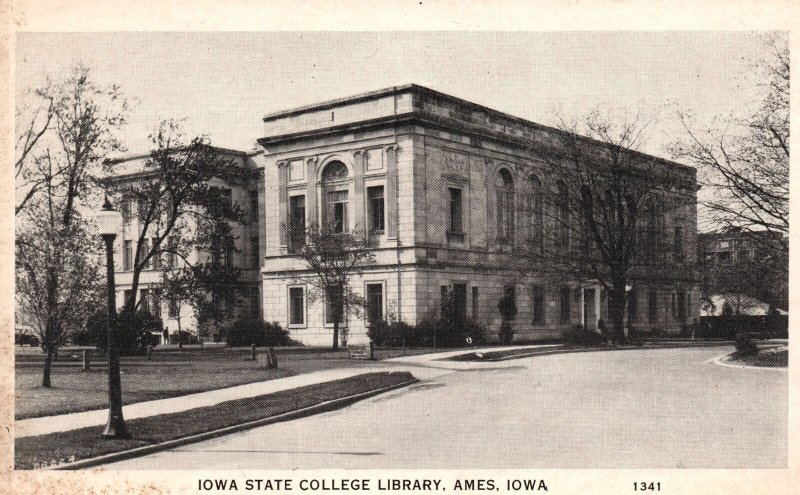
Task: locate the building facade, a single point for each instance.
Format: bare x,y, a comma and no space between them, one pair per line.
439,182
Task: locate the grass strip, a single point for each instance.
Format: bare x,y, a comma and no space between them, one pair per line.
766,359
85,443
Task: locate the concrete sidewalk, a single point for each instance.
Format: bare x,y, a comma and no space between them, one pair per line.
72,421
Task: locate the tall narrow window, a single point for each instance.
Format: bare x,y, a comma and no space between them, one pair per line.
681,306
475,302
678,243
652,306
254,206
127,255
460,301
155,307
674,304
374,303
564,304
157,256
504,188
334,303
143,254
255,303
125,209
144,299
537,215
297,313
255,256
337,208
455,227
375,210
510,291
229,250
171,256
537,304
562,207
297,223
633,305
334,182
173,307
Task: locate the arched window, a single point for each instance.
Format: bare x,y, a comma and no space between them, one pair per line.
537,214
504,186
562,214
334,191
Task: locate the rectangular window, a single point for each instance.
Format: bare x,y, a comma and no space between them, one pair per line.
445,300
141,207
510,291
173,307
633,305
537,304
460,301
456,224
374,303
127,255
564,304
255,256
337,209
375,209
297,310
678,243
475,303
297,223
652,306
254,206
128,294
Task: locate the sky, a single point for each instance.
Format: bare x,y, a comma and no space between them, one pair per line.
222,84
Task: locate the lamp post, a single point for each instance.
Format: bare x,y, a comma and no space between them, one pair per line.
109,222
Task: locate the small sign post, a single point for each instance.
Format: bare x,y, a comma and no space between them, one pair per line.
360,351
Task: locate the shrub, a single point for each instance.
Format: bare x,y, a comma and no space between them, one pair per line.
506,334
185,338
442,332
246,332
134,331
83,337
394,334
582,337
744,345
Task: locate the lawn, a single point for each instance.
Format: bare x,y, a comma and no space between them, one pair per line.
31,452
181,372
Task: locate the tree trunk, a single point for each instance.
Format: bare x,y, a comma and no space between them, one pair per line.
336,335
48,361
180,332
616,309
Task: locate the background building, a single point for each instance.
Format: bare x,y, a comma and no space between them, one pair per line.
245,250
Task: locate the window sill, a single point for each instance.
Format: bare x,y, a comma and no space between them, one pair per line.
455,237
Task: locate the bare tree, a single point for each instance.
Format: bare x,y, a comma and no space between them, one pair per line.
57,163
32,122
606,209
744,161
180,212
334,258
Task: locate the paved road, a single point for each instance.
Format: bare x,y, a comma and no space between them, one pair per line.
628,409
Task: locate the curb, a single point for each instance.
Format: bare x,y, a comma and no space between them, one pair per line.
330,405
719,362
599,349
